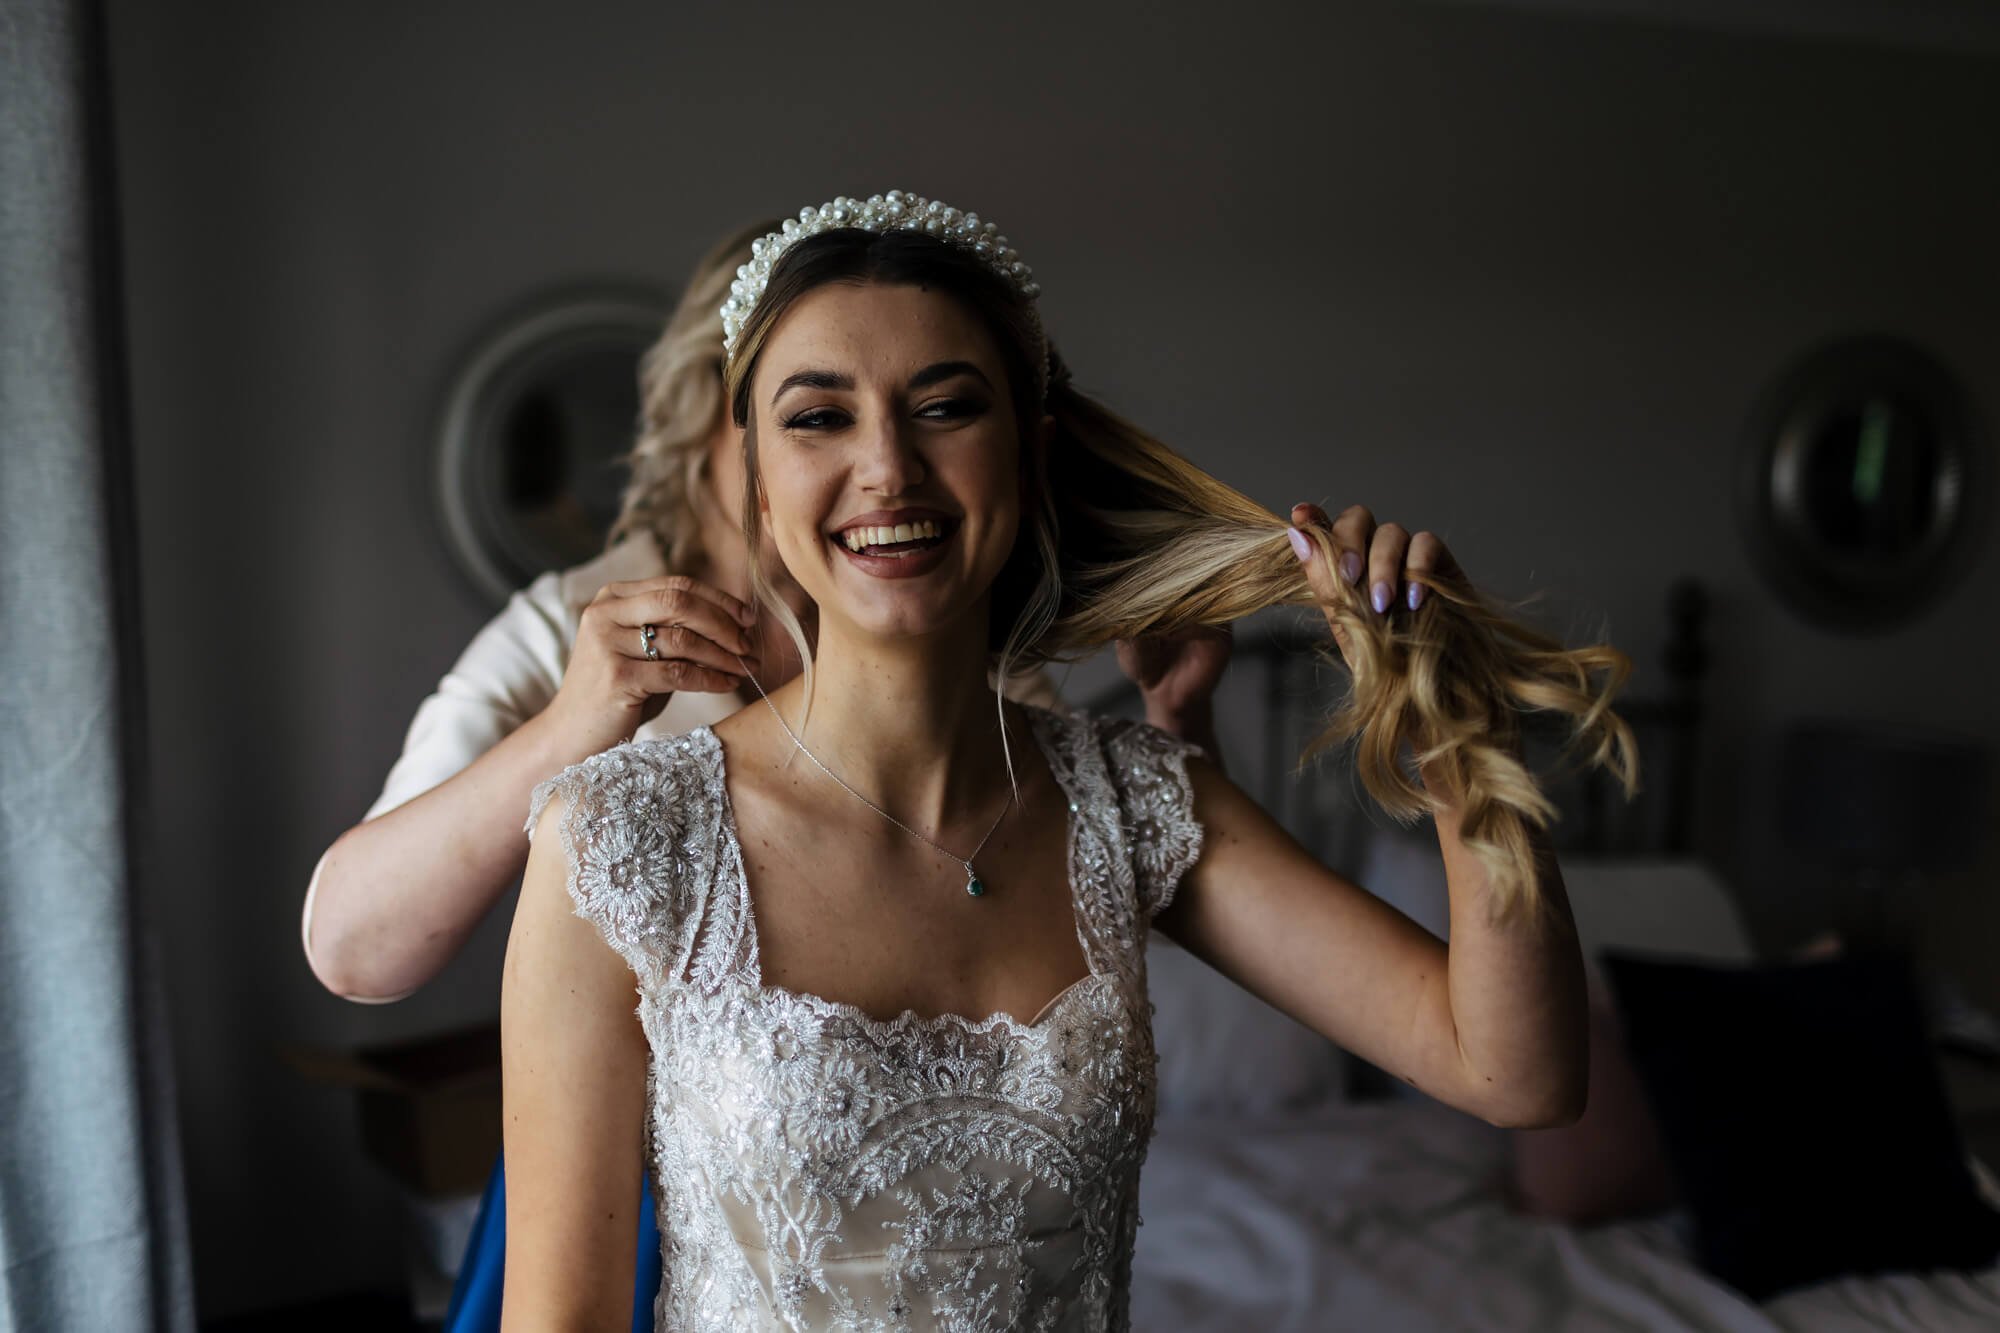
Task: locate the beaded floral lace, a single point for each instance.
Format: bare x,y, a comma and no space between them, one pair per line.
818,1168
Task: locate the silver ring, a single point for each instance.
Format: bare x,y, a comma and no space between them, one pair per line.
647,633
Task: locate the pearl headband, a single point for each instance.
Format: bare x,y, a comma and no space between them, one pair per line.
897,210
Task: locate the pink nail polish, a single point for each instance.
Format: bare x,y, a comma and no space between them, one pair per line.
1300,546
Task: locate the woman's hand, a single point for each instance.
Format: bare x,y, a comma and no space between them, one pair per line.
1386,554
1177,674
611,687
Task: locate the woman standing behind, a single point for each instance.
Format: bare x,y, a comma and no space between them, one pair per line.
563,673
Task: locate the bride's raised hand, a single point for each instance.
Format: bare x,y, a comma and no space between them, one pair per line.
638,642
1384,560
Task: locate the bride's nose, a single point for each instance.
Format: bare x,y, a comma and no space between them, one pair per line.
889,463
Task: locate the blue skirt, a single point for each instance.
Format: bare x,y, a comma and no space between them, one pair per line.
475,1297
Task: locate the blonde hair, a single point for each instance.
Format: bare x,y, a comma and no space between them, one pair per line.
1123,538
680,392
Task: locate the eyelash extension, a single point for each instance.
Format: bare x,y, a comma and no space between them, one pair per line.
955,409
958,408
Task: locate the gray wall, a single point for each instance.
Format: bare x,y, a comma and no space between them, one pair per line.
1512,277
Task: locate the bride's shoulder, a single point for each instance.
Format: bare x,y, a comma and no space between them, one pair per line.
1131,761
636,779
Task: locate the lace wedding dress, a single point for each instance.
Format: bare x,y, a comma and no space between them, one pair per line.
817,1168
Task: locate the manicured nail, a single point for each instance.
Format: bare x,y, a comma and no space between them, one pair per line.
1379,598
748,615
1300,546
1350,568
1416,591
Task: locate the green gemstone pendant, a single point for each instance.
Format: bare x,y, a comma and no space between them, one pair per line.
973,884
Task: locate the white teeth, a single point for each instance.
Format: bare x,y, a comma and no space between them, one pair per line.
856,539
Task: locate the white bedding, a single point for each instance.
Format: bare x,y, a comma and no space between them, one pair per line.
1388,1217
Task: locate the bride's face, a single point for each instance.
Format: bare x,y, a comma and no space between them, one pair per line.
889,458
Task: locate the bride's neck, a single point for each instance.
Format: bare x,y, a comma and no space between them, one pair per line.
910,722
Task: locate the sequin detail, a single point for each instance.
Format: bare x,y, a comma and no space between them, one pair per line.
816,1167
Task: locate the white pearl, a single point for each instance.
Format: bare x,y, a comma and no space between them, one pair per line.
897,210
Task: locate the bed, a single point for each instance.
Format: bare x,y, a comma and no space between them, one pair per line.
1388,1216
1288,1187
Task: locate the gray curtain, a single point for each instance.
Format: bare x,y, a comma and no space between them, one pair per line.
92,1231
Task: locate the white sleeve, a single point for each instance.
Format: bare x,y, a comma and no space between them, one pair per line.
506,675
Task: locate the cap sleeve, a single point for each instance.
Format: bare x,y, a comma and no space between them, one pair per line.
637,827
1156,806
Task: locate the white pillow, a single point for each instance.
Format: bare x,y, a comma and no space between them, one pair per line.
1223,1050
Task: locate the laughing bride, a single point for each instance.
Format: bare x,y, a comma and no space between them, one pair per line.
891,1060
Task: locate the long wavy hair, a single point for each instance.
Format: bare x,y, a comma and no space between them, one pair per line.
1121,537
680,396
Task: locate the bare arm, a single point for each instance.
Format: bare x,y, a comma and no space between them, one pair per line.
395,897
1494,1025
574,1078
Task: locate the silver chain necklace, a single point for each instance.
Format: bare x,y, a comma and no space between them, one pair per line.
973,884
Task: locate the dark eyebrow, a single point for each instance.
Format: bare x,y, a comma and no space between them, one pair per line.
813,379
923,379
945,370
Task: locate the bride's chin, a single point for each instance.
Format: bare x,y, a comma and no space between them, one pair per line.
913,619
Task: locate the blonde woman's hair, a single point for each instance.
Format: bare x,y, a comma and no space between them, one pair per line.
680,395
1122,538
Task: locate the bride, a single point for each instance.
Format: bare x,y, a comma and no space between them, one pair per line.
891,1060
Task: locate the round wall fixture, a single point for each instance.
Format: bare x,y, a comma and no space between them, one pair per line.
1861,480
535,426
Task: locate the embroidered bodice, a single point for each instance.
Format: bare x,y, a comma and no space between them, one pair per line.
814,1167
